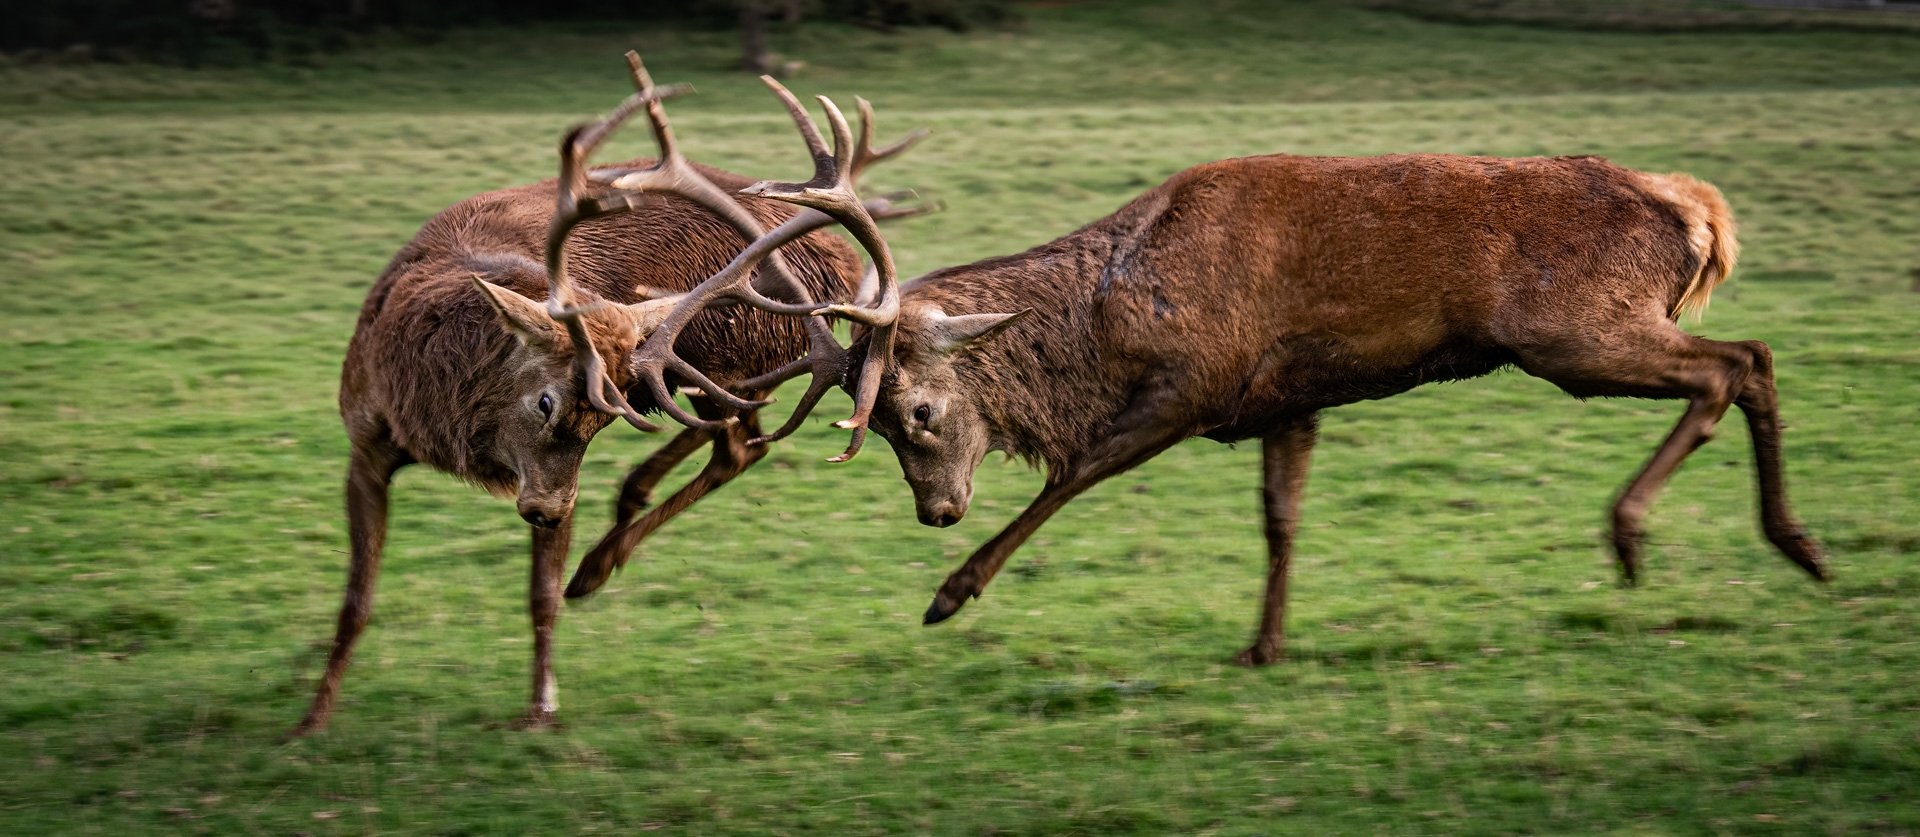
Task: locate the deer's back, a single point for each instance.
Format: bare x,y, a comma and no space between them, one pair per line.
1278,284
666,243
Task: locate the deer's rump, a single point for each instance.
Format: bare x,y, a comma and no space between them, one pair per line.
1281,285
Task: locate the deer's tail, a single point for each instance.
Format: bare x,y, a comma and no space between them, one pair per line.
1710,231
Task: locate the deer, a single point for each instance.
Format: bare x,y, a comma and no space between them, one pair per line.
1241,298
509,331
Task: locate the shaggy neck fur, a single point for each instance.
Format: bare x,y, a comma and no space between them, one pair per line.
1040,385
442,352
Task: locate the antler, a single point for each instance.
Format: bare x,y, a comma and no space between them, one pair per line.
831,191
876,303
864,155
571,208
830,197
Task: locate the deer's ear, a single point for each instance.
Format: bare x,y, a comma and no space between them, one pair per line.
522,317
951,334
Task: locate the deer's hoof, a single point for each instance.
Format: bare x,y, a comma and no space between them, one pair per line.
306,727
943,607
594,570
538,719
1256,656
1804,551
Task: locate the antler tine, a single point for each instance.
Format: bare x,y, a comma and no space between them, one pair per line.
885,208
674,174
816,389
825,163
656,115
842,141
864,155
571,209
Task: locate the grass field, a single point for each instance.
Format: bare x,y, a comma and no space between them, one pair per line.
185,254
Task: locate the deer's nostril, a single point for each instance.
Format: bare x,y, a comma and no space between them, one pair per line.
945,520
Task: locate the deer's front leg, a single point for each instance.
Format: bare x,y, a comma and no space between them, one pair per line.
1137,437
972,577
368,477
543,601
731,456
1283,455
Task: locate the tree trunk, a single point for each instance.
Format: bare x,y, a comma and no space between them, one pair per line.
755,55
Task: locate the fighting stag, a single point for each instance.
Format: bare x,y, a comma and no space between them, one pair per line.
1240,298
457,361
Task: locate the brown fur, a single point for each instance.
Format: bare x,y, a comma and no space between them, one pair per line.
1241,297
425,337
432,376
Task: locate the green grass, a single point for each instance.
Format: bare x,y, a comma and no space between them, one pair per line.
186,253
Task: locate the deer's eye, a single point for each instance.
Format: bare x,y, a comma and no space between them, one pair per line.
922,414
546,406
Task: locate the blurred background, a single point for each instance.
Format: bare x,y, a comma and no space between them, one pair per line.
196,196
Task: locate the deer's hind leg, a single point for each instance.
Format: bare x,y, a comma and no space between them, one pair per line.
1761,404
636,492
1658,360
731,457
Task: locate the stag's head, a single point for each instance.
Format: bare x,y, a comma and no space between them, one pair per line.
541,420
932,415
554,390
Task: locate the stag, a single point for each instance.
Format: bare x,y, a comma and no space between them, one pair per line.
1240,298
508,332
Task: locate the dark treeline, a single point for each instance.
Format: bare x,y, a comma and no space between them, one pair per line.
195,32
